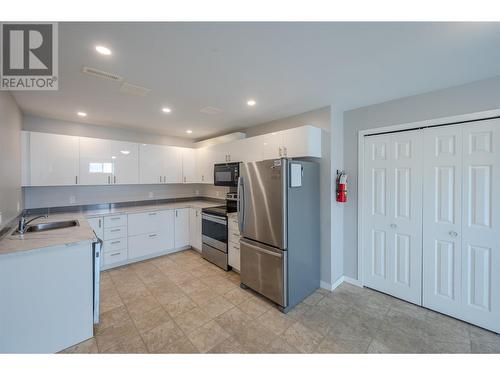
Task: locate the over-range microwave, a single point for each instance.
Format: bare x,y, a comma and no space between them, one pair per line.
226,174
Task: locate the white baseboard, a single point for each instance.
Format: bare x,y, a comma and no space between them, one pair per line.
325,285
352,281
337,283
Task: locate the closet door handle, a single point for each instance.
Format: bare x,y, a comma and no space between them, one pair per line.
114,179
394,226
453,233
109,179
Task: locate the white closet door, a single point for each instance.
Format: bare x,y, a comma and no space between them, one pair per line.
392,214
481,224
442,219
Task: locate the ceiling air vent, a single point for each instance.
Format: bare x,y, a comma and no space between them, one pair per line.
128,88
101,74
211,110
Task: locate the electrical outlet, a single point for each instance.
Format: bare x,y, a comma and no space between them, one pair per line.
72,199
0,217
217,193
150,195
197,192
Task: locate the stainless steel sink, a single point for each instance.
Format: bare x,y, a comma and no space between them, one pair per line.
42,227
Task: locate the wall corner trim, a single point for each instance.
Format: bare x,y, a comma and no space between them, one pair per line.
352,281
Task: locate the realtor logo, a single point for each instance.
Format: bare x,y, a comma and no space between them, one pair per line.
29,58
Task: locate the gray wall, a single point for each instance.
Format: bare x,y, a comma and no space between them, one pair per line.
320,118
46,125
473,97
10,158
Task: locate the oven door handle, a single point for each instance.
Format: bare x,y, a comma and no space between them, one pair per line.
213,218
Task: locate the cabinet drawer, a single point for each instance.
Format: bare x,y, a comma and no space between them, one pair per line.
147,244
114,245
233,237
115,221
233,256
232,225
150,222
114,257
112,233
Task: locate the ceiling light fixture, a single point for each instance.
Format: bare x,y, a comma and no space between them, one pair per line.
189,131
166,110
125,152
103,50
81,114
251,103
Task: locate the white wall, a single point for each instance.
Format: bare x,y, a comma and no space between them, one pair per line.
473,97
10,158
320,118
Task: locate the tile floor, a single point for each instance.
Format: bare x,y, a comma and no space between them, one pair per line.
180,303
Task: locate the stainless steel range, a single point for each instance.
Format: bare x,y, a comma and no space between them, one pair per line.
214,232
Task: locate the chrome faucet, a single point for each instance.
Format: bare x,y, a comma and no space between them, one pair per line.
23,224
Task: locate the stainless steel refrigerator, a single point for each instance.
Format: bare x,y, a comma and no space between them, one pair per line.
278,215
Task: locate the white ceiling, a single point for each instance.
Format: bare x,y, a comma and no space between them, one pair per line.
288,68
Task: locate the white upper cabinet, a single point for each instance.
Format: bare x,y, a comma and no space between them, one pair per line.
205,164
269,146
172,165
302,141
125,157
53,159
96,165
189,170
151,164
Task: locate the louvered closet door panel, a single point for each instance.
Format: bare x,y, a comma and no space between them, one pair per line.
392,214
481,224
442,215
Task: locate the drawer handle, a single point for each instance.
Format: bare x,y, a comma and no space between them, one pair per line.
114,254
236,234
236,247
115,218
152,235
115,230
152,213
115,242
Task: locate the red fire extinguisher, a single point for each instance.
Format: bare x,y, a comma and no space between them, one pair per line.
341,186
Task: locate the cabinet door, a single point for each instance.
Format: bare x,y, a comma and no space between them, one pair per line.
96,166
189,170
302,141
53,159
220,153
172,165
125,157
151,164
269,146
195,228
207,161
181,227
96,223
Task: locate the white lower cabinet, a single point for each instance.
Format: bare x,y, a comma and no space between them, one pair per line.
143,245
233,249
195,228
181,227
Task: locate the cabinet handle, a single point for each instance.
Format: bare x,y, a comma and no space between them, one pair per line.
164,179
184,179
76,180
115,242
280,152
176,213
100,223
152,213
152,235
115,230
114,254
109,179
114,179
160,179
202,177
115,218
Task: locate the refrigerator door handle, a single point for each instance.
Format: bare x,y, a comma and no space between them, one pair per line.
260,249
240,206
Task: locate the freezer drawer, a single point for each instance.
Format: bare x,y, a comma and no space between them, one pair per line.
263,268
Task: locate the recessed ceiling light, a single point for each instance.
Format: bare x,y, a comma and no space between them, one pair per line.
113,157
103,50
189,131
166,110
251,103
81,114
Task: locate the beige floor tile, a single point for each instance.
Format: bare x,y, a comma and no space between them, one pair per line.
202,296
161,336
233,320
230,345
207,336
180,346
304,339
178,306
86,347
109,301
237,295
254,307
393,340
141,305
276,321
296,312
179,277
254,336
168,296
314,298
150,319
110,317
116,334
343,345
484,341
217,306
131,293
280,346
130,346
192,319
191,285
